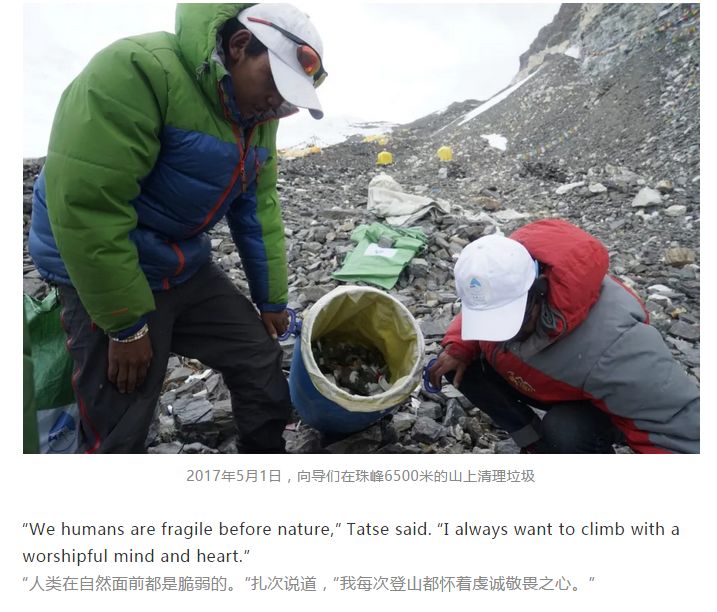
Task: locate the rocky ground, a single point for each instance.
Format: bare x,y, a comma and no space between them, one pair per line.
611,146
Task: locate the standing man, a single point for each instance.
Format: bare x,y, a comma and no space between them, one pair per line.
160,137
542,324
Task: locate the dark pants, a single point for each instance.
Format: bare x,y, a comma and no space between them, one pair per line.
206,318
567,427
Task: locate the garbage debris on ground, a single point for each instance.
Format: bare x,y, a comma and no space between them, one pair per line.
57,413
360,370
387,199
296,153
380,139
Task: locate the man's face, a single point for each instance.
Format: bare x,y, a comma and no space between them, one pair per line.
530,323
255,92
536,297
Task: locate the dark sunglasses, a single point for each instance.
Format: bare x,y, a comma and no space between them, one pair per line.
308,57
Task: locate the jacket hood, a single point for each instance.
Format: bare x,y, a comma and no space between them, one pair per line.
196,26
575,264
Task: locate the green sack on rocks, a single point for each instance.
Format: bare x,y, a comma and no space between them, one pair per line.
29,411
381,253
57,411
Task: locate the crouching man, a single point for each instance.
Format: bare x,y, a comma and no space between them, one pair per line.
543,325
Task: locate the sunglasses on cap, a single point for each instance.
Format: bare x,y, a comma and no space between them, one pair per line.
308,58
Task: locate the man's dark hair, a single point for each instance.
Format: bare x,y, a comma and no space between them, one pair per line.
231,27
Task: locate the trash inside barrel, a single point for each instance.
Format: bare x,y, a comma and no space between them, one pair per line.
358,369
360,356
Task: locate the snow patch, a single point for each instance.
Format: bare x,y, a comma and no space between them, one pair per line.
495,99
573,51
301,130
496,140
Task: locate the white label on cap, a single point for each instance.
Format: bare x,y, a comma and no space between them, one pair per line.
377,251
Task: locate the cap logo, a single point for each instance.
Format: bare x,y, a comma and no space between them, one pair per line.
478,293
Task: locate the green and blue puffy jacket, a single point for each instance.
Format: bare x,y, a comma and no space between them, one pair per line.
147,153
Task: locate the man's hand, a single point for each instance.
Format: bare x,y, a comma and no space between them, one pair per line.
276,323
129,363
447,363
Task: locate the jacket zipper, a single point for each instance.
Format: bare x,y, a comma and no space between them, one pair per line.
238,171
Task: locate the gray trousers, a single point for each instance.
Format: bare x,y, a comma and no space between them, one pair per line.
206,318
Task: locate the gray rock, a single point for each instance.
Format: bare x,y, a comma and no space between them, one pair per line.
194,448
563,189
419,268
505,447
427,430
432,410
194,420
223,416
685,331
314,294
176,447
167,448
433,329
165,428
676,210
679,256
623,177
654,306
178,374
664,291
401,449
193,413
366,441
403,421
303,440
488,203
664,186
229,447
474,428
647,197
454,414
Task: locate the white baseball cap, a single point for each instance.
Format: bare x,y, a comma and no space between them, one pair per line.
493,276
294,85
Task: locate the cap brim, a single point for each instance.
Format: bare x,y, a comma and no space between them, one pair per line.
496,324
295,88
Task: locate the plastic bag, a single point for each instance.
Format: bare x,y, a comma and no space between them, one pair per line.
58,420
371,263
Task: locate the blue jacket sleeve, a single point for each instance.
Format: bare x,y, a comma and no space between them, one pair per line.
258,231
